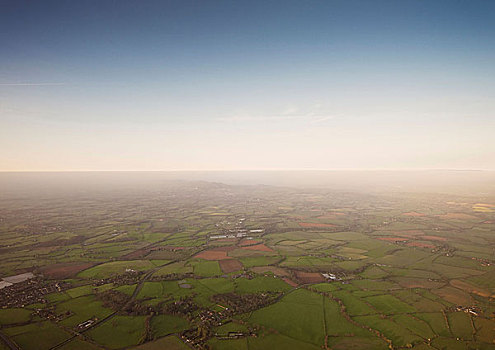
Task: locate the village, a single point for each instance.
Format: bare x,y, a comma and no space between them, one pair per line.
29,291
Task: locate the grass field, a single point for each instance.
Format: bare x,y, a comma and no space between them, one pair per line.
460,325
358,343
162,325
388,304
437,322
258,261
83,309
165,343
400,336
79,344
119,332
11,316
278,341
36,336
218,285
261,284
401,263
115,267
79,291
206,268
354,305
299,315
338,325
415,325
178,267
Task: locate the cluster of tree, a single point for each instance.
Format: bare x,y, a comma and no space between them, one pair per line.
241,303
173,277
183,307
135,308
128,278
113,299
197,337
148,333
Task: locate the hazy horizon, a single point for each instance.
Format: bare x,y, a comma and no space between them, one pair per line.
472,183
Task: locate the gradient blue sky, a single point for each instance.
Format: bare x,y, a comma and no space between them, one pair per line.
163,85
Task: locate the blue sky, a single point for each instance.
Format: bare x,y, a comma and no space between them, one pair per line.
163,85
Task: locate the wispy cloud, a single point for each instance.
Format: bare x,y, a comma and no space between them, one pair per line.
248,118
321,119
308,118
312,115
31,84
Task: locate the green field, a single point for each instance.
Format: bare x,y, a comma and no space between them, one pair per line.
116,267
261,284
163,325
119,332
206,268
42,335
299,315
399,335
82,309
388,304
403,270
169,343
12,316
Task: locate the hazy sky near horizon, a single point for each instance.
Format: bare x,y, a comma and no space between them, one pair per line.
163,85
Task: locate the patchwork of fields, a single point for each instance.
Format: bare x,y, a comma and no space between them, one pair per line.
206,265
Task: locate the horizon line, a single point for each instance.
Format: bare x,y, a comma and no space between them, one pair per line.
242,170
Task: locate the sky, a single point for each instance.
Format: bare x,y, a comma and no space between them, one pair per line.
233,85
